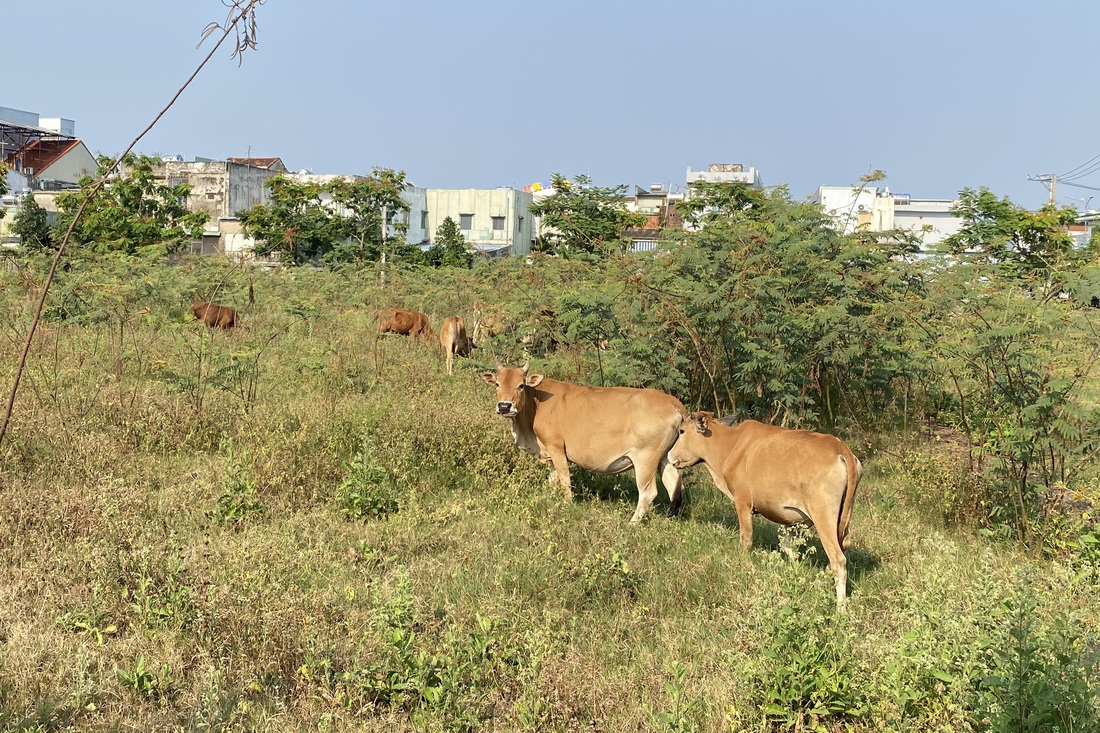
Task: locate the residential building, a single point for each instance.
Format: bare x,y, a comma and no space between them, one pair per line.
725,173
221,188
42,153
659,206
496,221
867,207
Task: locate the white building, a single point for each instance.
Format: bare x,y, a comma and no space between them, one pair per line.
867,207
725,173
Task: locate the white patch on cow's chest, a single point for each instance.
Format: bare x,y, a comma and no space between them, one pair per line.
526,440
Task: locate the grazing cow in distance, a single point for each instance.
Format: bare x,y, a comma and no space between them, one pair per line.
602,429
221,316
405,323
452,335
789,476
485,327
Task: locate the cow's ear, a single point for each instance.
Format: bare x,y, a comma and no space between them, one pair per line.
533,380
489,377
700,421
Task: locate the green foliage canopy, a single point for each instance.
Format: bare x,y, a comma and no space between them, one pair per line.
582,218
1034,248
340,221
133,213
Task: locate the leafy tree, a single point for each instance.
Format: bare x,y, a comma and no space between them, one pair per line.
769,312
366,201
132,213
31,224
336,222
1034,248
296,224
708,202
3,184
582,218
450,248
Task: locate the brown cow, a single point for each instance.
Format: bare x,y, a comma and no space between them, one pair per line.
452,335
405,323
789,476
602,429
214,315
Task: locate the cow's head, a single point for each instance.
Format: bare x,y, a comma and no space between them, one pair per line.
512,385
688,449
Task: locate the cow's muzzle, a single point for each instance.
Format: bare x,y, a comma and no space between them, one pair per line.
507,409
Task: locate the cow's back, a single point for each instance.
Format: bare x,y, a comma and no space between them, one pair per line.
780,456
596,422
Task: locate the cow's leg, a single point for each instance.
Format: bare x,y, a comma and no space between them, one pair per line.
674,485
561,467
838,563
645,475
450,362
744,520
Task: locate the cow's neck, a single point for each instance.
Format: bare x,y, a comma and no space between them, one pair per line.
523,429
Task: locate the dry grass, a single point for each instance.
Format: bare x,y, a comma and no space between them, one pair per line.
484,603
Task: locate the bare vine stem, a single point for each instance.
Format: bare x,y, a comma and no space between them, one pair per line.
241,12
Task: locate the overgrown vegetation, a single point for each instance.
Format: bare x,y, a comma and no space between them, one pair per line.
300,524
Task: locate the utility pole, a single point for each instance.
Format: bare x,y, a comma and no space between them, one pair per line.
382,272
1051,179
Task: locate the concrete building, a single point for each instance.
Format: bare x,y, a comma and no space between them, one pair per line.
867,207
660,210
42,153
725,173
221,188
496,221
42,156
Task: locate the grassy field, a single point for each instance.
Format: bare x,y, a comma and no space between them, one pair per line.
301,525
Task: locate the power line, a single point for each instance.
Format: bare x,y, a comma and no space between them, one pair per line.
1074,171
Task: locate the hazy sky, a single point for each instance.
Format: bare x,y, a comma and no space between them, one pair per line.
940,94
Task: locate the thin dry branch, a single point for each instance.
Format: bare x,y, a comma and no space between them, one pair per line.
241,20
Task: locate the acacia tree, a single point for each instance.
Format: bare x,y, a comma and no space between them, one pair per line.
582,218
133,213
1031,247
450,248
769,312
31,224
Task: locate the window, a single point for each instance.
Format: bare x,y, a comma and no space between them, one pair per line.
498,223
210,196
423,219
465,222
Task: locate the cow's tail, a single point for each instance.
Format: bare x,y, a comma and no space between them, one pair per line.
855,472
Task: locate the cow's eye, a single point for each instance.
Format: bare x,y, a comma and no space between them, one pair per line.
681,431
521,386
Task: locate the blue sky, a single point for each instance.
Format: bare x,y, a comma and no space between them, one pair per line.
939,94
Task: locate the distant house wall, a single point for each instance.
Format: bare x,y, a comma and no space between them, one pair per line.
482,205
417,219
73,165
932,220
